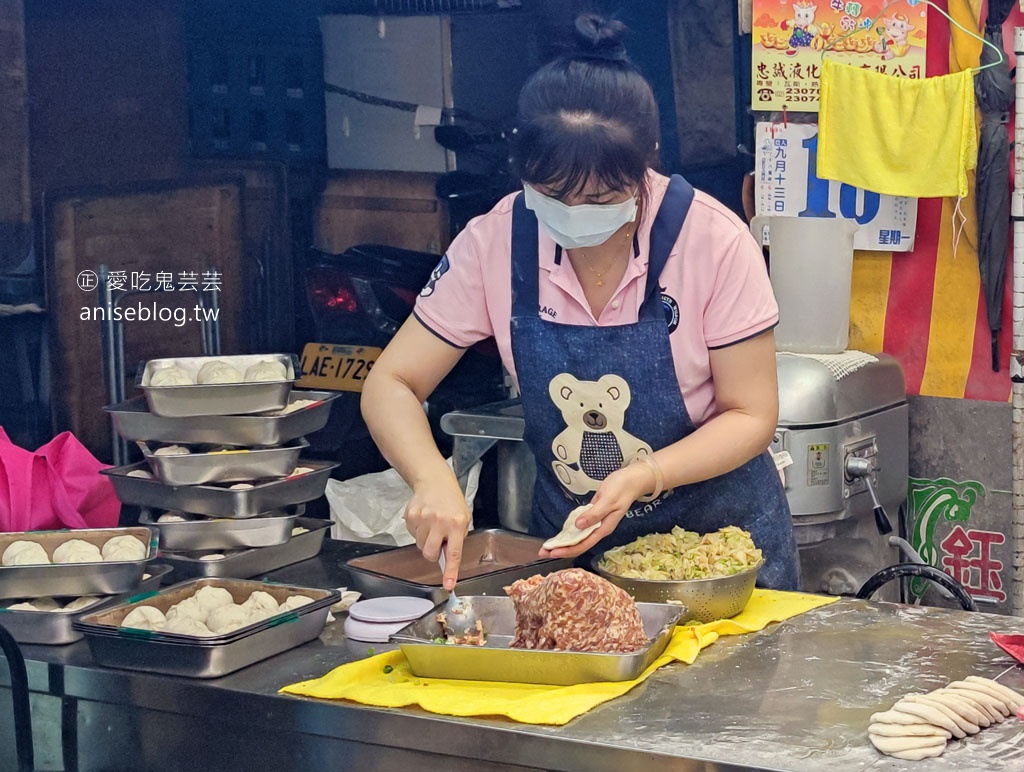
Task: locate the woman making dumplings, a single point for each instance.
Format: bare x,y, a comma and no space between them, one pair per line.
635,315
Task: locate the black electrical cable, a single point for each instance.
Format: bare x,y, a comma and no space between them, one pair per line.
925,572
20,698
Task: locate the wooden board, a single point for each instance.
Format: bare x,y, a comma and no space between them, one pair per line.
144,229
399,209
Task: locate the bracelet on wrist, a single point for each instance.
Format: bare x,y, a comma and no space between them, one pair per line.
659,477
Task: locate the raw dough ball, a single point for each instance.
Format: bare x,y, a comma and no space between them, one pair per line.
210,598
299,529
300,470
241,487
46,604
24,553
185,626
293,602
80,603
226,619
170,376
144,618
260,605
77,551
172,517
187,608
172,450
124,548
266,370
140,473
213,556
218,371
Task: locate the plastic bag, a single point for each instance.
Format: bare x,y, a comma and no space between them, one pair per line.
56,486
369,508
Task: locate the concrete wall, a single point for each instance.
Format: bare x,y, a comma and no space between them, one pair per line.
960,507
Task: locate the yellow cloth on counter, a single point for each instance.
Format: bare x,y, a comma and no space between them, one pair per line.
899,136
366,682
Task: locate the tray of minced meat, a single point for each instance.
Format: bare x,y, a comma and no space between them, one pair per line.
568,627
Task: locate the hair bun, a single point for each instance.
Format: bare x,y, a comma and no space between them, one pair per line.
598,37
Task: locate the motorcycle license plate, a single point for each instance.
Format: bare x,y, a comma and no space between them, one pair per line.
337,368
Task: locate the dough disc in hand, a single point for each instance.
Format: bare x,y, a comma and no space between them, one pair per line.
570,535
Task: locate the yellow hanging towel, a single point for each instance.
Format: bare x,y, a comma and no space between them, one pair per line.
900,136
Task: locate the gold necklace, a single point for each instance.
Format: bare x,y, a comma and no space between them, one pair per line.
600,274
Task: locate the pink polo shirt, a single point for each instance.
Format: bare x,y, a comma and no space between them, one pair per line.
714,285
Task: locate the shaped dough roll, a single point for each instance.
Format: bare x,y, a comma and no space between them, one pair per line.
171,376
186,626
125,548
24,553
226,619
77,551
266,370
144,618
210,598
218,371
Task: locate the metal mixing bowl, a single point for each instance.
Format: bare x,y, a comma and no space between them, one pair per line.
720,597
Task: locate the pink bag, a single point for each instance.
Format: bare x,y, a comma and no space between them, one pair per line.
57,486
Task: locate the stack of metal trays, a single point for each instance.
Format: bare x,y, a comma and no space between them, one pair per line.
306,539
56,627
209,656
492,559
496,660
223,450
182,532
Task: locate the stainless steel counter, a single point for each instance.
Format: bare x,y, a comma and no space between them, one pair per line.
796,696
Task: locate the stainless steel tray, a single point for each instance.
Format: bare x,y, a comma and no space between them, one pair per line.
211,657
265,530
492,559
226,466
497,661
220,501
55,628
134,421
217,398
67,579
244,564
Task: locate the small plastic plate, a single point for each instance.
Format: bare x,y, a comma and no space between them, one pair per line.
391,608
371,632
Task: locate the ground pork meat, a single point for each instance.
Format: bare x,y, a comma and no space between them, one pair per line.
575,610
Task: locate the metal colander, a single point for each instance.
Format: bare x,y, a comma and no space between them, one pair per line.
720,597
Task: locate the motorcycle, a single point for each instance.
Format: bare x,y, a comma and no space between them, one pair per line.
358,299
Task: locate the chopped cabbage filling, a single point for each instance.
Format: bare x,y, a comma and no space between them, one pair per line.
682,555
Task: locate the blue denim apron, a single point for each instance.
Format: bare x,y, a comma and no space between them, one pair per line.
596,397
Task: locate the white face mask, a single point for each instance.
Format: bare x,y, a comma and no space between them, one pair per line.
580,226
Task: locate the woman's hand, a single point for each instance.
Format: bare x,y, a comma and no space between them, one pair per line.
612,500
437,517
